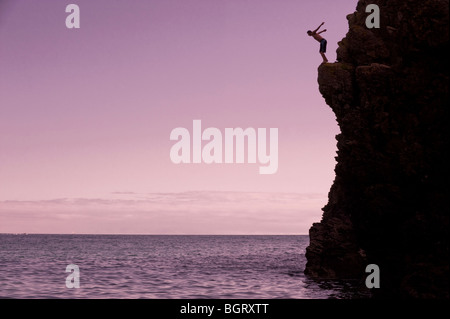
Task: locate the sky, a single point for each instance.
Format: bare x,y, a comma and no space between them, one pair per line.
86,114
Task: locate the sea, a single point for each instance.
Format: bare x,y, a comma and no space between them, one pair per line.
160,267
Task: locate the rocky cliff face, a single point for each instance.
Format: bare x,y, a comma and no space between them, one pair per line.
389,201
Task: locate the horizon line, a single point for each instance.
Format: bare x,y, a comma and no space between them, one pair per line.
124,234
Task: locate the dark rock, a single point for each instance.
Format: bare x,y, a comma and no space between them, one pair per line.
388,203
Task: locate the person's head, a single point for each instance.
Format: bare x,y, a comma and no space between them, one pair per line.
309,32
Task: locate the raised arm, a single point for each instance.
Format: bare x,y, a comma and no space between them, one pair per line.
319,27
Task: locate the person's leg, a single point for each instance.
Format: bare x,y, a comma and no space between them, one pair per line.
323,49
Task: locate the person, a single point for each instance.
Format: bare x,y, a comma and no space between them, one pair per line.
323,42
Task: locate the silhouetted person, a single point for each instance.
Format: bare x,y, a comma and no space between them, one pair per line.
323,43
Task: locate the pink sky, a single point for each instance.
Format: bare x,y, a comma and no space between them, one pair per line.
85,115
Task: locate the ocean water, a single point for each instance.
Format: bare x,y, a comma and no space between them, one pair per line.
161,267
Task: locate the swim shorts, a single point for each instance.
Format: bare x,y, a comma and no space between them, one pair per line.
323,46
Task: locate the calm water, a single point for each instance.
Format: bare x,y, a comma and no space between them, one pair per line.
116,266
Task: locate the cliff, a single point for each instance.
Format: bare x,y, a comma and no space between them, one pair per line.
388,204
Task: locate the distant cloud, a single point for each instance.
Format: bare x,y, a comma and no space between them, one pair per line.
167,213
123,193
